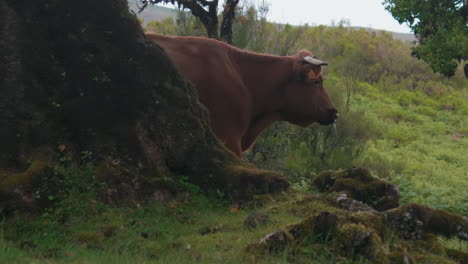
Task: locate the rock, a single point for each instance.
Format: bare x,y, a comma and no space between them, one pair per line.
210,230
347,204
275,242
358,239
460,256
301,230
414,219
255,219
245,182
325,224
360,234
358,184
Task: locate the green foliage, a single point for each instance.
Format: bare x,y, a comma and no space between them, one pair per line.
253,32
70,189
442,29
164,27
185,24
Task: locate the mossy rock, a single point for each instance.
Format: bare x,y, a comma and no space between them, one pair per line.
245,181
255,219
360,240
430,243
460,256
345,203
275,242
357,235
412,220
359,184
18,189
369,220
39,167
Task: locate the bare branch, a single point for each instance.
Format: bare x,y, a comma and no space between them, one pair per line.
207,12
141,8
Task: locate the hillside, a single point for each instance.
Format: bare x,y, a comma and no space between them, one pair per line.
152,13
405,37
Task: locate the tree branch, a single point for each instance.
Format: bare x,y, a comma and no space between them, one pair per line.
209,18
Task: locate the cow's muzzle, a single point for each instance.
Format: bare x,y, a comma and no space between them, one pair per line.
330,117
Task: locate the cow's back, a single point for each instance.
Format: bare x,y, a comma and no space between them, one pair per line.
198,59
207,64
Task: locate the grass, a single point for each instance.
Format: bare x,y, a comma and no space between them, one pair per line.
421,145
169,233
192,229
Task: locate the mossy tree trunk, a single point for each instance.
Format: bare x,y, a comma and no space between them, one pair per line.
82,76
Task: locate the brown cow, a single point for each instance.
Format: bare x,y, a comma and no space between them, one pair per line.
245,92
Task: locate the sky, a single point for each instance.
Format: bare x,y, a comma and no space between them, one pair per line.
360,13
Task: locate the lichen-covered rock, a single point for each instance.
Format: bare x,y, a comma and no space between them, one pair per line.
255,219
369,234
409,224
348,204
358,184
275,242
414,219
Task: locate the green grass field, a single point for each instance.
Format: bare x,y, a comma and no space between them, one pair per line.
421,143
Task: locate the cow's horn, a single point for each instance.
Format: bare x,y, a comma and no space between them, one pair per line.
313,61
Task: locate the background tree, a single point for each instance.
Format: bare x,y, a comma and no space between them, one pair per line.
207,13
441,28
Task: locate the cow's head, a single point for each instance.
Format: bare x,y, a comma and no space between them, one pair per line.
306,99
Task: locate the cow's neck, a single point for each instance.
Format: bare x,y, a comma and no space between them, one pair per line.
265,76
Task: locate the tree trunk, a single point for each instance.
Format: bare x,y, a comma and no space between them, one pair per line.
80,77
229,14
211,26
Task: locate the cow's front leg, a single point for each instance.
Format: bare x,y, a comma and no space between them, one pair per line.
234,145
